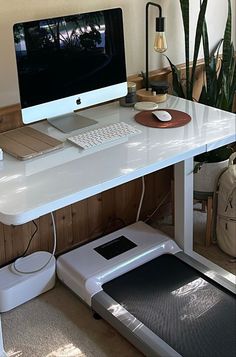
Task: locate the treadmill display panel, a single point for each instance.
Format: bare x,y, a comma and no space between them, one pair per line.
115,247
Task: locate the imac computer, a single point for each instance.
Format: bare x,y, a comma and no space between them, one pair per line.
69,63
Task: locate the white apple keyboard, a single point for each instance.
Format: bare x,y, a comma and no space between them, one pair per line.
97,138
162,115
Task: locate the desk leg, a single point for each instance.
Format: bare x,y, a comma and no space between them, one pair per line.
184,204
2,352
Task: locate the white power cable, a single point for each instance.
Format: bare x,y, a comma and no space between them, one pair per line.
158,206
141,199
52,254
141,202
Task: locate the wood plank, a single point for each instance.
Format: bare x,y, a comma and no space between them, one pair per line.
80,222
110,221
45,233
94,217
126,201
63,221
11,251
10,109
10,118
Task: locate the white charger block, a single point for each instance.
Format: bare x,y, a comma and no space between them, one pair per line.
17,288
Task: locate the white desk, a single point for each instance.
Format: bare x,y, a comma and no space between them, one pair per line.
30,189
36,187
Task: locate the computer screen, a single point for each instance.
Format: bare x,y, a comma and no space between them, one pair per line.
68,63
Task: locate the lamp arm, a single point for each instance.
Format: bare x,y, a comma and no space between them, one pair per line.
160,15
154,4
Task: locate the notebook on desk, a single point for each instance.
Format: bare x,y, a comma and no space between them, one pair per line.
26,143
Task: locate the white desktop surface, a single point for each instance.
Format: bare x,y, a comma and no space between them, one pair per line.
32,188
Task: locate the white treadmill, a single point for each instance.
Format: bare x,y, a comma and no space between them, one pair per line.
156,296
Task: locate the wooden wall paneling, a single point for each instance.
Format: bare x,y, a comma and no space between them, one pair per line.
163,190
165,74
10,117
7,248
94,216
11,249
126,201
17,239
149,200
160,74
29,230
110,221
80,224
63,221
45,232
157,188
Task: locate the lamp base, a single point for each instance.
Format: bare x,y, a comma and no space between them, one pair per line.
147,96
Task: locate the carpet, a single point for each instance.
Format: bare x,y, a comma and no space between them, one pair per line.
58,324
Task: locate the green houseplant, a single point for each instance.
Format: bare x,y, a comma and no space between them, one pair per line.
219,73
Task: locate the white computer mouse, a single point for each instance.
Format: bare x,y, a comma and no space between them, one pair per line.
162,115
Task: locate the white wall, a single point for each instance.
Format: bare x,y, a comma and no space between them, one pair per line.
13,11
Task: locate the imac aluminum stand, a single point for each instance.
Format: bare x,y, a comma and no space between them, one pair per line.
70,122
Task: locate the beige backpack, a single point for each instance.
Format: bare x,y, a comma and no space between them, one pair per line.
226,209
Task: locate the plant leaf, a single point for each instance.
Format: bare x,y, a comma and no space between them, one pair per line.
206,55
227,42
176,80
232,89
198,35
203,95
184,4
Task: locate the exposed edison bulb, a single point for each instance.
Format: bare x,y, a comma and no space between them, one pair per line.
160,44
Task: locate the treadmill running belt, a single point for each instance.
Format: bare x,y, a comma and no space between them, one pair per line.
190,312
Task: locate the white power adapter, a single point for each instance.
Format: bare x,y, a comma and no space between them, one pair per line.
16,288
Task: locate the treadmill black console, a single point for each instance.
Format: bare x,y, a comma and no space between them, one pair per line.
115,247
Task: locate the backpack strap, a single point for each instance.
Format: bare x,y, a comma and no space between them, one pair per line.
215,205
231,159
215,196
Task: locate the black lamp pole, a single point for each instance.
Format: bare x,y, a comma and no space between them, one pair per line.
159,28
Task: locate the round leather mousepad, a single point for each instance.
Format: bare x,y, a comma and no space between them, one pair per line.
148,119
